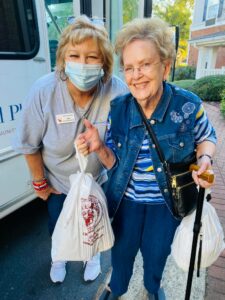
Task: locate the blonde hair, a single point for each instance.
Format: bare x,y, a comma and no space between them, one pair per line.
152,29
79,31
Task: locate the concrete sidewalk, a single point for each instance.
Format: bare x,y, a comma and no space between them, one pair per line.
211,283
215,278
174,283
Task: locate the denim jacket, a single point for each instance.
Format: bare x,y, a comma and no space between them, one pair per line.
173,122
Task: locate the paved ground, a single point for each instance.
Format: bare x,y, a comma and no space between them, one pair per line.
215,281
211,284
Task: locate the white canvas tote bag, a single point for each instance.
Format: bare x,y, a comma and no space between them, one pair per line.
83,227
211,236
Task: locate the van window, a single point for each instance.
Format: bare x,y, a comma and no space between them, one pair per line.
18,29
57,14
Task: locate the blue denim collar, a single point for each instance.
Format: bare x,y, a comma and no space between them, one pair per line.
160,111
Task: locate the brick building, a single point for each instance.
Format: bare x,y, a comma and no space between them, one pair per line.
207,38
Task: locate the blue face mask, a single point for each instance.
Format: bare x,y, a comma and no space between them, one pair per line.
84,76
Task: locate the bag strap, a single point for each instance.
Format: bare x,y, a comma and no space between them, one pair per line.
82,160
154,139
158,149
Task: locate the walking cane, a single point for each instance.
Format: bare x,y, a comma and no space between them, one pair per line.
196,230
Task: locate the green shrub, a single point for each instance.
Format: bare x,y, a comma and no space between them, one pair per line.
186,72
185,84
222,103
209,88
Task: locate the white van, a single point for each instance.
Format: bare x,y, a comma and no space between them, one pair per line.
24,57
29,32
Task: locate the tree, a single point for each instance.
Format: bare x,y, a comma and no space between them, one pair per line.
130,10
177,12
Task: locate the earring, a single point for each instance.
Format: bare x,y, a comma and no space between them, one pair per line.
63,75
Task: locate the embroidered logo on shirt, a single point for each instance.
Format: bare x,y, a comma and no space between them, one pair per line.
187,109
176,117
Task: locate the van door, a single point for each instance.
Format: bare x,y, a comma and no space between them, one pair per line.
24,57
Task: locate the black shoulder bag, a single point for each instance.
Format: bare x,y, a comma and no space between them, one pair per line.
180,183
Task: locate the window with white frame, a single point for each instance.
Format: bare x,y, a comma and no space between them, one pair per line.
212,9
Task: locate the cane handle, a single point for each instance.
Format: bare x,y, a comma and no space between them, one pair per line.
207,176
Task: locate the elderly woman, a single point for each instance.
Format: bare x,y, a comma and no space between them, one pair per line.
81,87
137,191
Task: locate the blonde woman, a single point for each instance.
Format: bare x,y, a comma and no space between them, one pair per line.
81,87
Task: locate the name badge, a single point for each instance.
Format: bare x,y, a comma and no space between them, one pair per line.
65,118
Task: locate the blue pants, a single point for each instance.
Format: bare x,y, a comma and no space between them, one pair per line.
149,228
55,204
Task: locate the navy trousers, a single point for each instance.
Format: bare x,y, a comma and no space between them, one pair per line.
55,205
149,228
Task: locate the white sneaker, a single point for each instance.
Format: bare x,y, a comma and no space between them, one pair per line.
58,271
92,268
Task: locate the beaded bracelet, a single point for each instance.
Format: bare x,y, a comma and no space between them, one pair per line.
40,185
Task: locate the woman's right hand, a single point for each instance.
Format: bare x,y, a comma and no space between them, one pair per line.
44,194
89,141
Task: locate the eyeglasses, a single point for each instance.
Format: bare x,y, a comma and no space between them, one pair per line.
94,20
143,68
